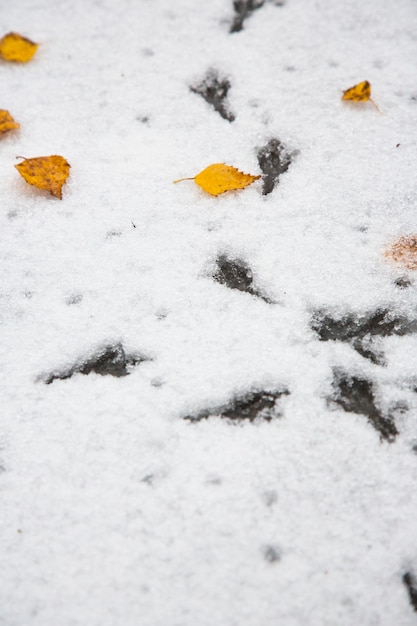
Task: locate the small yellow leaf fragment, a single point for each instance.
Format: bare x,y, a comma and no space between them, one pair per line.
359,93
218,178
49,173
7,122
403,251
15,47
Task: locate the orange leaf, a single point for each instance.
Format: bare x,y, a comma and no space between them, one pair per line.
218,178
404,252
7,122
14,47
49,173
359,93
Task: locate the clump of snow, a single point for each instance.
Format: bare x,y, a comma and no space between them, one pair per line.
116,509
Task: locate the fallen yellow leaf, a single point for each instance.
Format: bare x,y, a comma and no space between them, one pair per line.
15,47
218,178
49,173
404,251
359,93
7,122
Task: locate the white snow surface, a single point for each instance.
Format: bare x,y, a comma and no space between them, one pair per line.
115,510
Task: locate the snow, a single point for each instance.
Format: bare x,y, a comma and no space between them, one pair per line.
115,509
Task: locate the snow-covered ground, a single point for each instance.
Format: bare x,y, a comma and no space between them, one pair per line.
253,462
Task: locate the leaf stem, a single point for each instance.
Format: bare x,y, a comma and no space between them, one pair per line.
375,105
181,179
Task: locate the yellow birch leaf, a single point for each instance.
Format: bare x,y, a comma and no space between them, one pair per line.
15,47
359,93
49,173
404,252
7,122
218,178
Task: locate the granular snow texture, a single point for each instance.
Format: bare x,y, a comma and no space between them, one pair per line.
229,435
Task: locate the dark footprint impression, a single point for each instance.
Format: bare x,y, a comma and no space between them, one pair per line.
251,406
244,9
274,159
236,274
214,90
403,282
109,361
362,331
272,554
410,582
356,395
